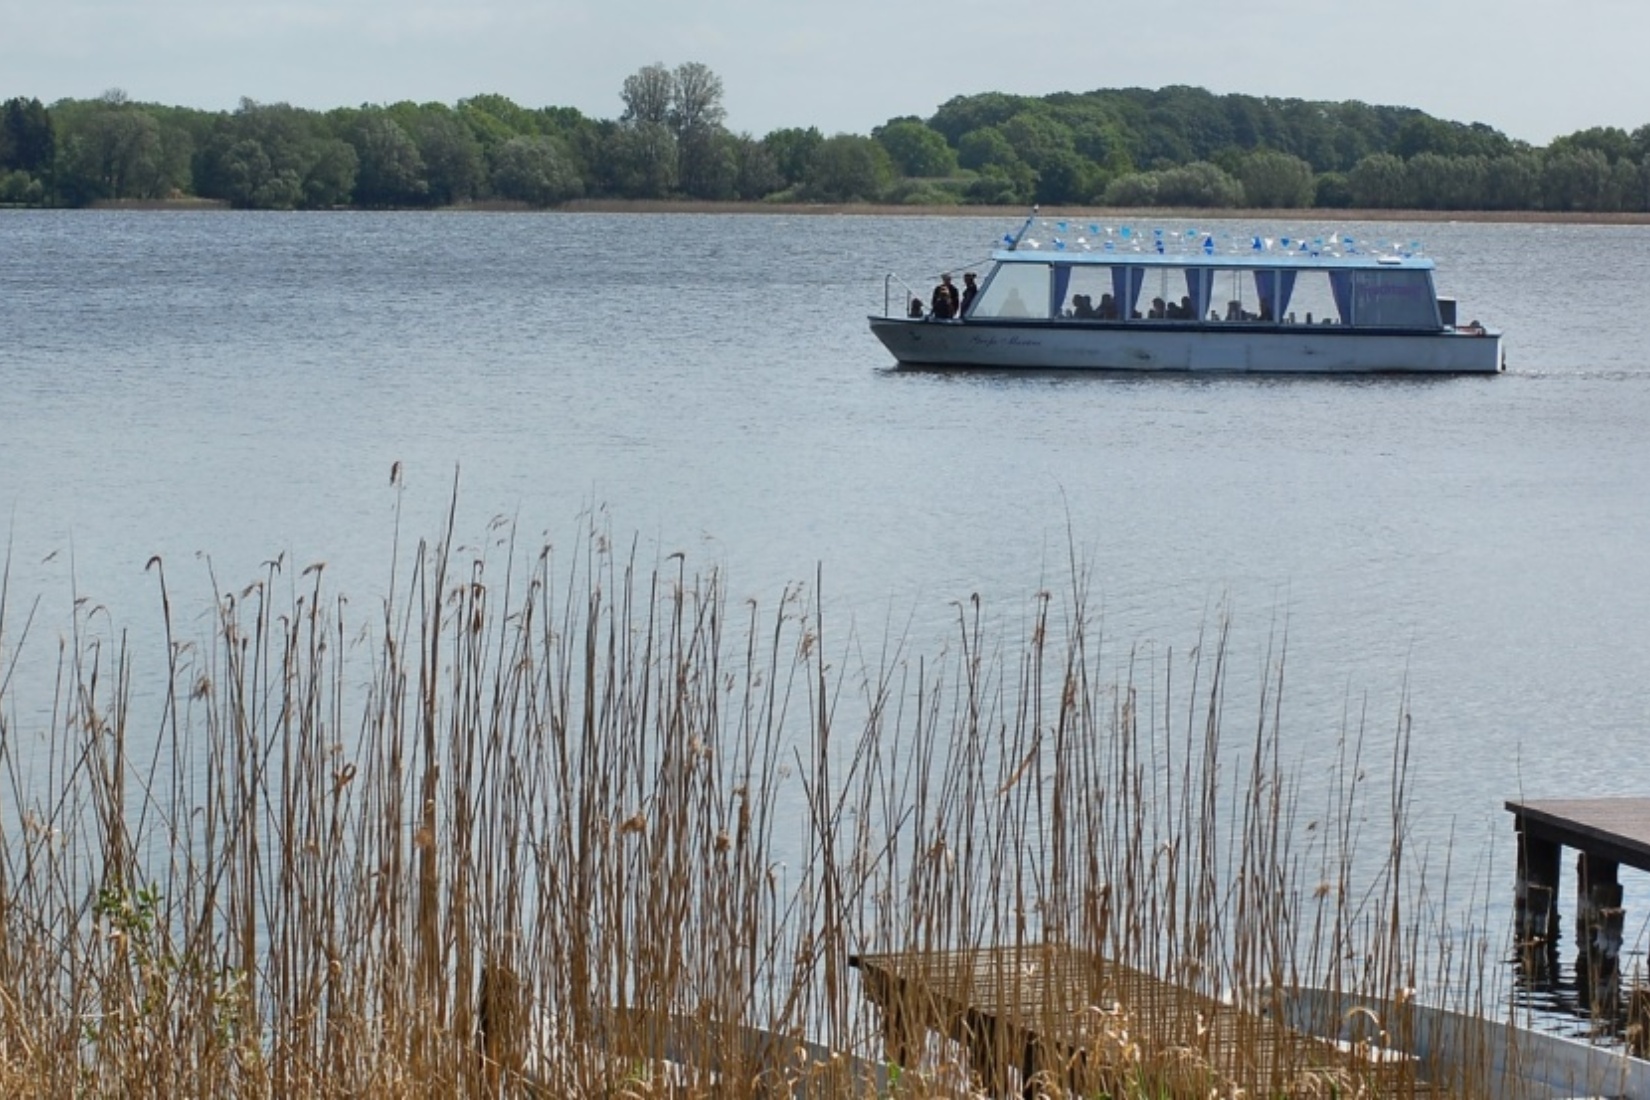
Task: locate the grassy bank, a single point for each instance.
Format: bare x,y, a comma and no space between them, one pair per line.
484,838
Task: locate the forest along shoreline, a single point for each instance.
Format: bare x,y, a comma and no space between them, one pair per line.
871,209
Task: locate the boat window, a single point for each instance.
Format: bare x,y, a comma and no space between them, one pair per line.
1171,294
1282,295
1390,299
1314,296
1014,290
1086,292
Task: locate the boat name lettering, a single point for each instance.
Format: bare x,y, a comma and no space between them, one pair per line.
1013,341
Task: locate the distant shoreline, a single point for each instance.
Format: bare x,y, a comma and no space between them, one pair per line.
858,209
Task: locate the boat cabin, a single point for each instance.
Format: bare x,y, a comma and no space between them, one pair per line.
1365,292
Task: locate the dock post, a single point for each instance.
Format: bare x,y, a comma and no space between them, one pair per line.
1535,894
1599,924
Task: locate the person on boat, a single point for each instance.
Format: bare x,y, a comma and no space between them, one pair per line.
1187,311
944,305
1159,311
915,312
1108,308
971,290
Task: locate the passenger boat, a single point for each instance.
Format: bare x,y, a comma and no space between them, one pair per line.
1121,300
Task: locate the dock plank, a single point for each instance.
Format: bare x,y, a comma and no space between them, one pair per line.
1021,1010
1616,829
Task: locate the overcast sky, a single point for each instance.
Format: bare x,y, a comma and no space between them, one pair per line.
1533,69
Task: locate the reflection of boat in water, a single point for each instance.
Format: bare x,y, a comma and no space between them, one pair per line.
1183,302
1454,1049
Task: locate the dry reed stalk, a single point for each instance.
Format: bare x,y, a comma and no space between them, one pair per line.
569,829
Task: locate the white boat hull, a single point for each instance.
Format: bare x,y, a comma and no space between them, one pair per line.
1165,346
1502,1060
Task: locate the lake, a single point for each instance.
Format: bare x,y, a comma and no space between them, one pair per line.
219,388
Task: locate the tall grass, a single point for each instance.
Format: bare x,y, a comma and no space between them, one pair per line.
577,827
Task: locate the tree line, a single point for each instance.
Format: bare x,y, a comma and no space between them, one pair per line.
1175,146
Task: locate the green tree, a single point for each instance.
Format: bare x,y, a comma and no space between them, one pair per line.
390,172
1065,177
1577,179
695,100
640,160
1037,138
708,164
1513,182
1101,143
1379,182
993,188
536,170
792,150
915,149
19,188
1132,189
453,162
1447,183
1275,180
1198,184
965,114
1614,143
1629,185
758,169
982,148
111,149
257,157
330,180
1424,134
28,141
848,168
1332,190
647,95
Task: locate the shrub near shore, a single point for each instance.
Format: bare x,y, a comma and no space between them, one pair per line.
482,838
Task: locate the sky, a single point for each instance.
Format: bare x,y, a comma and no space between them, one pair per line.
1534,69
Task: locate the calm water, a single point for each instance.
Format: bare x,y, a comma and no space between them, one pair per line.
234,386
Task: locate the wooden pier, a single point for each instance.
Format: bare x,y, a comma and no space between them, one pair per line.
1050,1009
1606,834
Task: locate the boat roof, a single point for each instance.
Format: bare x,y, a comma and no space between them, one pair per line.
1260,258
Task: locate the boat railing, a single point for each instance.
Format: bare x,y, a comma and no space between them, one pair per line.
910,292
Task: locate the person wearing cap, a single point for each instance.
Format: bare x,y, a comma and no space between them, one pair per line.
944,305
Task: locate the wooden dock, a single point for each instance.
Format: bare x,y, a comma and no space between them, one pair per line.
1050,1009
1606,834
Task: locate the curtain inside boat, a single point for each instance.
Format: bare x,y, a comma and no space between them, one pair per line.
1340,284
1125,287
1062,283
1197,288
1285,284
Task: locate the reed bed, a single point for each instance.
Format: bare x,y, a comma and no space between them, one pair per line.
571,826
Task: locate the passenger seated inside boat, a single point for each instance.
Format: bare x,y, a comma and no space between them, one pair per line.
1108,308
1234,311
1159,310
1082,306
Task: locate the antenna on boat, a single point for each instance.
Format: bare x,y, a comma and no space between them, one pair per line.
1014,241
